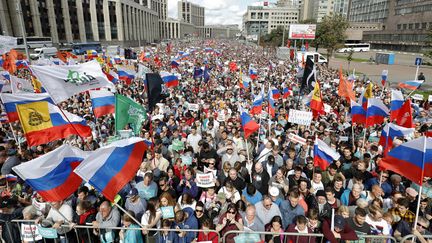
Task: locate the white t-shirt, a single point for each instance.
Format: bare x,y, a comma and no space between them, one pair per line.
378,227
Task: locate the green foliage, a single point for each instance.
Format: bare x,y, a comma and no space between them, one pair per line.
428,52
331,33
273,39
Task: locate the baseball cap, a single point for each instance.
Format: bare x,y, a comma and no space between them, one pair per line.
339,221
133,192
410,191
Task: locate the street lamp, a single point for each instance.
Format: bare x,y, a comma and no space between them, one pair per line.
20,14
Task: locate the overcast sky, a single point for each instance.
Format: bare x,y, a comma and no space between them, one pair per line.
218,11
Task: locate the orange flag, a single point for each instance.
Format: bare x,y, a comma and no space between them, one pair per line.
9,63
345,87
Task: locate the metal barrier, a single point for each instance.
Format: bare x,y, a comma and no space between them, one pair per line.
412,238
90,229
261,233
318,237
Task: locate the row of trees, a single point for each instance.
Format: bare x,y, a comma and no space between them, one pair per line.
330,34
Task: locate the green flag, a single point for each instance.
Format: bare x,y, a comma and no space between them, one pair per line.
128,112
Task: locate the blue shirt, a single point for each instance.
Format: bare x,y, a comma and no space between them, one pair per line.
132,235
147,192
257,197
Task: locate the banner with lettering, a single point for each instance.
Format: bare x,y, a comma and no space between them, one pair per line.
205,180
62,82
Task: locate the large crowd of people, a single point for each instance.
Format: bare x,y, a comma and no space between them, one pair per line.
267,183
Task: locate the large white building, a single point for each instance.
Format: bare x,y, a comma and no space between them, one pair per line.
106,21
261,20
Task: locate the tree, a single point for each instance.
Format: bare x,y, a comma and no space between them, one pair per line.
331,33
428,52
273,39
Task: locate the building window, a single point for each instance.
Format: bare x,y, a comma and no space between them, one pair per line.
410,26
399,26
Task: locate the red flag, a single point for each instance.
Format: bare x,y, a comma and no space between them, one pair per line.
233,66
168,50
404,117
307,46
345,87
288,43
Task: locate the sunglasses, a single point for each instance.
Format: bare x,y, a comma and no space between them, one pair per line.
421,226
268,205
199,210
232,212
161,185
211,163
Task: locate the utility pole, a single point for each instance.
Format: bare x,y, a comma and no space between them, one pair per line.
21,17
283,36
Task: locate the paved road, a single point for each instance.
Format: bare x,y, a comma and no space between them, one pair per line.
403,69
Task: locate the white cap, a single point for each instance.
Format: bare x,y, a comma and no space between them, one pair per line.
274,191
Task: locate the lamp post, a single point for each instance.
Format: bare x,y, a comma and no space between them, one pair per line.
21,20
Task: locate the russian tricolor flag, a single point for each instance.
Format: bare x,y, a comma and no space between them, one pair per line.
412,159
271,104
110,168
396,103
412,84
169,79
389,132
208,49
117,60
287,92
276,93
323,154
51,174
358,114
257,104
249,126
245,81
376,112
11,100
253,74
174,64
103,102
125,75
112,76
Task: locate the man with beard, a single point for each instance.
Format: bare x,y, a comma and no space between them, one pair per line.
359,225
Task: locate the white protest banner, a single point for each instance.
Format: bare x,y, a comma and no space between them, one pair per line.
193,107
417,96
62,82
7,43
327,108
430,98
30,233
296,138
343,138
205,180
5,86
300,117
20,85
206,170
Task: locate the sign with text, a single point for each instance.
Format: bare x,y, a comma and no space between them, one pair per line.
205,180
167,212
302,31
30,233
193,107
300,117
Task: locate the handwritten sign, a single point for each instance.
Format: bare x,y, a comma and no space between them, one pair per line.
296,138
167,212
417,96
30,233
300,117
48,233
193,107
205,180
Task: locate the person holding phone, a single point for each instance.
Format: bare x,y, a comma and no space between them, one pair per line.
230,220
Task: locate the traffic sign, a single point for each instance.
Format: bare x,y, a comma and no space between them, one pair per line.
418,61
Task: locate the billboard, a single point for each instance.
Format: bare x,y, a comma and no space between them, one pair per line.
302,31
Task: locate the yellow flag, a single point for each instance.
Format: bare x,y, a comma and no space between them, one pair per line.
316,95
368,93
34,116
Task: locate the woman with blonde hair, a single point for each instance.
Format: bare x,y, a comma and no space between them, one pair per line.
343,211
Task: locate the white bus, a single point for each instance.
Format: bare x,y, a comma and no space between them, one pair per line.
355,47
34,42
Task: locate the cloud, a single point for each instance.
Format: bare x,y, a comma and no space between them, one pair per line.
217,11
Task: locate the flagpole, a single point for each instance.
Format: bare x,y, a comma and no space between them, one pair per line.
259,131
79,135
15,138
421,181
364,136
128,214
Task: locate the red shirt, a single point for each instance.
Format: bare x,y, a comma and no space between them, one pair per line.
211,236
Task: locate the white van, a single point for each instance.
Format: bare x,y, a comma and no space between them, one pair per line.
44,52
312,55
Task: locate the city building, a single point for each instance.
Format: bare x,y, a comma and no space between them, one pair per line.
318,9
341,7
191,13
123,22
405,28
368,11
221,31
261,20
